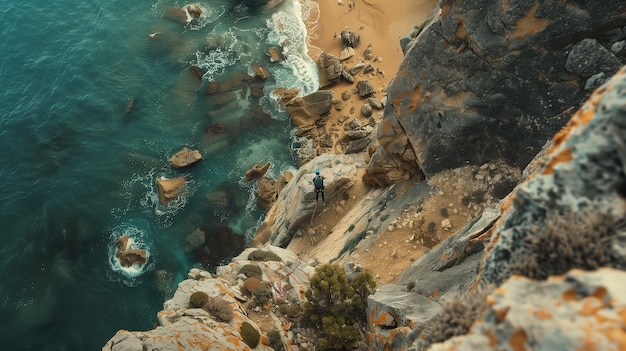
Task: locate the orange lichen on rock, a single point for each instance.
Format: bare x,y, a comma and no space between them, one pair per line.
518,339
414,97
590,306
570,295
563,156
529,24
543,313
433,294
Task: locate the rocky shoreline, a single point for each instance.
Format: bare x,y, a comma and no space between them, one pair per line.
457,182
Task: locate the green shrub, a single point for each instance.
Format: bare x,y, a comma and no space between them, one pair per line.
198,299
259,255
251,270
276,342
262,295
250,335
220,309
335,305
290,311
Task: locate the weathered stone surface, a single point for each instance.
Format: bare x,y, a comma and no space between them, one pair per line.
296,201
582,173
375,103
577,311
267,193
275,54
357,68
257,171
346,53
345,75
589,57
307,110
481,82
169,189
181,327
329,68
365,88
350,39
366,110
410,311
185,157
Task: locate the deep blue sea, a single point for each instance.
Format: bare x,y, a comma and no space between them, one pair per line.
78,171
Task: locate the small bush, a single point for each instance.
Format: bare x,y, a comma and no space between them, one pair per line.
220,309
290,311
456,317
250,335
262,295
276,342
251,270
198,299
264,256
250,285
335,305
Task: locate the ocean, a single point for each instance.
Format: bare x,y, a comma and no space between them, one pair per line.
92,109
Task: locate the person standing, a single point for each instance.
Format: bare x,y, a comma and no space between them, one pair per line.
318,183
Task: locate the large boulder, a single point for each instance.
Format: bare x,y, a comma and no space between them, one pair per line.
575,196
329,67
481,81
307,110
185,157
169,188
257,171
577,311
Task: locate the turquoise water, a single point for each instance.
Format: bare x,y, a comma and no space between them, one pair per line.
78,171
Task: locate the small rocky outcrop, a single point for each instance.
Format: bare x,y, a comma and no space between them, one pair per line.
350,39
216,325
329,67
257,171
275,54
270,188
296,202
129,257
169,189
306,111
487,81
185,157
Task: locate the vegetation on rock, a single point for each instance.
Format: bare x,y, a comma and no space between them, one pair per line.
564,242
220,309
251,270
276,342
250,335
337,306
260,255
198,299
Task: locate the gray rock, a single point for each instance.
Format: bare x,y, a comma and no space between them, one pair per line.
345,75
358,145
346,53
555,315
329,68
397,316
350,39
365,88
589,57
357,68
366,110
368,68
367,54
375,103
454,105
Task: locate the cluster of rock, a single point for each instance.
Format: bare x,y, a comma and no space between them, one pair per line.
169,189
309,114
221,321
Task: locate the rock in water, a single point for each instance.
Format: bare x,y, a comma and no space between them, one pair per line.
185,157
257,171
129,257
169,188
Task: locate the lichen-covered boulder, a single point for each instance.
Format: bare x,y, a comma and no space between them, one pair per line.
482,80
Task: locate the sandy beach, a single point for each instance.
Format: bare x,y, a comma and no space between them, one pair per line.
378,23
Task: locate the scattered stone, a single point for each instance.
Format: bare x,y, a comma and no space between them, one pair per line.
365,88
357,68
367,54
330,68
375,103
257,171
446,225
349,38
368,68
346,95
185,157
346,53
169,188
366,110
345,75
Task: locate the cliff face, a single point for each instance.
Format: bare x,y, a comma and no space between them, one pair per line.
483,80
